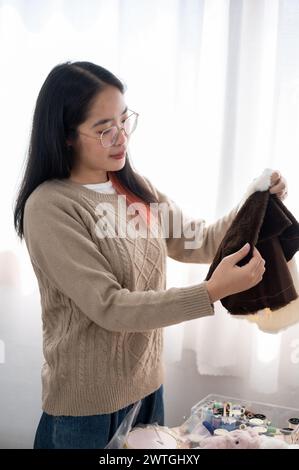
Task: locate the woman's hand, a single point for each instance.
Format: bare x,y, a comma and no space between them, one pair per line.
269,180
228,278
278,185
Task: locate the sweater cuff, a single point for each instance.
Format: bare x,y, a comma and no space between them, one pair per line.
195,301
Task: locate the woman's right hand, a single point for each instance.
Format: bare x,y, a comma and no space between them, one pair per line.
228,279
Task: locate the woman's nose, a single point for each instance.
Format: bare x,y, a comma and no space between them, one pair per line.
121,138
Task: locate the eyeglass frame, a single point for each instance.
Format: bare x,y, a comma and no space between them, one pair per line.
119,128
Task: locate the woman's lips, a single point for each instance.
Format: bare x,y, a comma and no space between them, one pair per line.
119,156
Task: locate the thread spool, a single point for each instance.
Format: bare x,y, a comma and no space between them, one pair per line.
293,423
271,430
260,429
262,417
242,426
286,431
256,422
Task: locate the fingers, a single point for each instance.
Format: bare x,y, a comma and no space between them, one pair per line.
275,177
256,266
277,188
256,258
278,185
259,273
256,252
283,195
259,268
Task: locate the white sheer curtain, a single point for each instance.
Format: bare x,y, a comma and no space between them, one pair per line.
247,119
216,83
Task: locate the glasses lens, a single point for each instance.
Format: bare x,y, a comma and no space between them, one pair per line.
108,136
130,124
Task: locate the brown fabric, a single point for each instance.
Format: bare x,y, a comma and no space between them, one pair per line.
264,222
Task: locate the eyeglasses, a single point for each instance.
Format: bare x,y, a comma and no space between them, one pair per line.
109,136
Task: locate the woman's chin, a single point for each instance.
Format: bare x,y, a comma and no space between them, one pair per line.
117,163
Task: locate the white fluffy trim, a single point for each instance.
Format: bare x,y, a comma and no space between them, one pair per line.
261,183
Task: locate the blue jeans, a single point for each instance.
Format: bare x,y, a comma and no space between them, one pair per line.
94,432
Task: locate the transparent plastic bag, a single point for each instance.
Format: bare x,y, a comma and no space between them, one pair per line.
153,435
119,439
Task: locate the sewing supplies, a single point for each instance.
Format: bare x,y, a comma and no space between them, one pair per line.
295,435
207,414
228,409
262,417
221,415
293,423
216,421
261,429
286,431
242,426
256,422
229,423
271,430
208,426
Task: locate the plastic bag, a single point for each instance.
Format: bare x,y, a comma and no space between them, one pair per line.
120,437
156,436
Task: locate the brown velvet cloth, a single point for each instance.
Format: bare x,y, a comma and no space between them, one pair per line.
266,223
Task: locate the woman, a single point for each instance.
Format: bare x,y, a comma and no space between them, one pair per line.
103,296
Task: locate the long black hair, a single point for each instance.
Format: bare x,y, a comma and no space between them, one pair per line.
62,105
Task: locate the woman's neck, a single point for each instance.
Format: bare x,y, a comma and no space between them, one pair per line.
90,178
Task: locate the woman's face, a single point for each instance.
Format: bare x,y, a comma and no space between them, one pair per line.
92,160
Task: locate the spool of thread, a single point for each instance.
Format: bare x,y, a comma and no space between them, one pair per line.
271,430
237,406
263,418
217,407
236,413
293,423
256,422
227,408
217,404
261,429
286,431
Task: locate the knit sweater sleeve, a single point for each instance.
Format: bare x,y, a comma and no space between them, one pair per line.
188,239
62,249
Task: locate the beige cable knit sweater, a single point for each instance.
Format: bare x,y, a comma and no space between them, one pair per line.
104,299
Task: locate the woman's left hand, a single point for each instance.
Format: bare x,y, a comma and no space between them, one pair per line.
278,185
